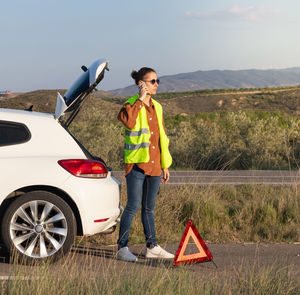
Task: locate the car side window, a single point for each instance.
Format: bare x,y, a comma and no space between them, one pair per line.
13,133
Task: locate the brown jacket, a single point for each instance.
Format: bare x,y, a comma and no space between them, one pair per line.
127,116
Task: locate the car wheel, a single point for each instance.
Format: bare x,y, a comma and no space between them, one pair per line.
38,225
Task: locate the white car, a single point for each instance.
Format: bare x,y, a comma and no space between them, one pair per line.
51,187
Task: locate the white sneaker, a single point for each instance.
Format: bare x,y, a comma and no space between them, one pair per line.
158,252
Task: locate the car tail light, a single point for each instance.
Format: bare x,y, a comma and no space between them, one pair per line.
85,168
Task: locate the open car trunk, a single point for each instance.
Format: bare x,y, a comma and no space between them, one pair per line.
68,106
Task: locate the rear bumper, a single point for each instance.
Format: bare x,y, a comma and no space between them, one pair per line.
111,229
98,202
104,226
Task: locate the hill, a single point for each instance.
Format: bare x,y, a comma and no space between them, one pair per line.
45,100
208,129
284,99
222,79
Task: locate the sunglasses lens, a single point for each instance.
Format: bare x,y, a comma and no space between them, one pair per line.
153,81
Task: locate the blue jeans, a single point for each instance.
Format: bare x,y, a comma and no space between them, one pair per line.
140,187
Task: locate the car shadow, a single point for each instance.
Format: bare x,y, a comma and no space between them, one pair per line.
111,254
4,256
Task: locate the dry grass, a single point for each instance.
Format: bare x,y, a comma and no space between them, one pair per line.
221,213
84,276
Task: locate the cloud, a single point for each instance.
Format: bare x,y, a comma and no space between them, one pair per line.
237,13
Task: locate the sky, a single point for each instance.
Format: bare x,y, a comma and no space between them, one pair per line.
44,43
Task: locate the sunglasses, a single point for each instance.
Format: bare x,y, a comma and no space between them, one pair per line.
153,81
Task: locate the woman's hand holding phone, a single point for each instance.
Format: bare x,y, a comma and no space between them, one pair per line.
142,90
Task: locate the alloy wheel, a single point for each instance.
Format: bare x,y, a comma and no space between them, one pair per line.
38,229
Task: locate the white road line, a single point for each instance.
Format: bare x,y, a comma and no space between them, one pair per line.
6,278
10,278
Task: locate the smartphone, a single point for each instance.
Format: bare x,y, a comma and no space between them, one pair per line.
141,84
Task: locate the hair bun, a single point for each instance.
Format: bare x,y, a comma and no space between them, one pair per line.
137,76
134,74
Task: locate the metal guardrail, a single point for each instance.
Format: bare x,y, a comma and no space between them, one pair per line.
235,177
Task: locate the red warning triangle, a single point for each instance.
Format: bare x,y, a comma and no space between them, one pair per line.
203,254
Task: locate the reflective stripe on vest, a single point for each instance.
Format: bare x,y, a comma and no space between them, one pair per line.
133,147
136,133
137,139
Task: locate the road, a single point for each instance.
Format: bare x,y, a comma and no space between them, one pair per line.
235,177
228,258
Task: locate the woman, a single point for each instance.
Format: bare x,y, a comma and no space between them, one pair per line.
146,155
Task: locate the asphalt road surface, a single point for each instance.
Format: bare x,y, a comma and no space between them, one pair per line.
235,177
227,257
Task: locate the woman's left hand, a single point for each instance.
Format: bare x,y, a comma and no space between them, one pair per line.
166,176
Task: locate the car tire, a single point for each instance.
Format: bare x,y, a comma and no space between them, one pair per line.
38,226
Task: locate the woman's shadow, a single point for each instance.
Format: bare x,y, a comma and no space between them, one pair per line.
111,254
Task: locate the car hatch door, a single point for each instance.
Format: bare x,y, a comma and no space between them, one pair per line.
68,106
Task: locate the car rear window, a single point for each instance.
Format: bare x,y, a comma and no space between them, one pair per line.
13,133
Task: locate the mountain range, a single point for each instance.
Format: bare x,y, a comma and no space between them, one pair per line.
221,79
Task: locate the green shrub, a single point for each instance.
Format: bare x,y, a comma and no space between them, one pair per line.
236,140
218,140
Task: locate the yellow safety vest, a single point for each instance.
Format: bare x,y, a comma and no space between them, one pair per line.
137,139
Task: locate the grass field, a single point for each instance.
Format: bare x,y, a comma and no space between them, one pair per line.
76,277
246,213
221,213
